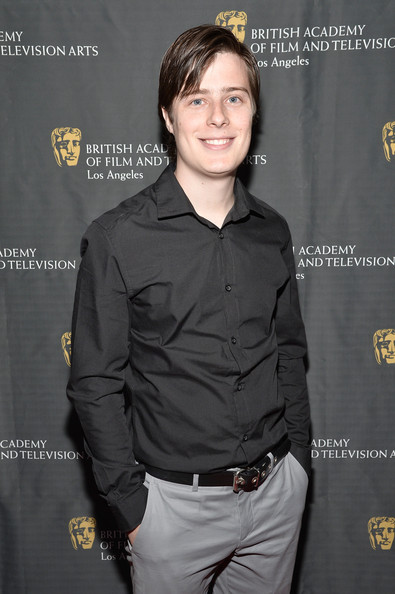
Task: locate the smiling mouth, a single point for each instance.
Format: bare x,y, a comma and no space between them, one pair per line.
217,141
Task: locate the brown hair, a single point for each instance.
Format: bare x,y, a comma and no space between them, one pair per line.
187,59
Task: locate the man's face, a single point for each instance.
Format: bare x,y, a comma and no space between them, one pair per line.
212,127
85,535
387,348
69,149
238,28
384,535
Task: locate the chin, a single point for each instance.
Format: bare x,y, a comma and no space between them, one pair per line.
221,172
222,167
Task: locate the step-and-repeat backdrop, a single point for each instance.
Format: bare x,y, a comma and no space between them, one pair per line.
79,133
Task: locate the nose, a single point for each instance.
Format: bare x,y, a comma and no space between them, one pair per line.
70,148
217,115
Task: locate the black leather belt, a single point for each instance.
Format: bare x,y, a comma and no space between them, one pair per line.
246,479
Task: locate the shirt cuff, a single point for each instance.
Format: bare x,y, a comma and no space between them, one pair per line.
303,456
129,511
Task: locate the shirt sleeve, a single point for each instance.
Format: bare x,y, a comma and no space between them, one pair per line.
100,354
291,342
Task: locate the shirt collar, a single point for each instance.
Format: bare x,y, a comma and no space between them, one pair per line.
172,200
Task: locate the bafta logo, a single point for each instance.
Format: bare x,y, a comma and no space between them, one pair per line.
384,346
381,533
235,21
66,146
66,347
82,532
389,141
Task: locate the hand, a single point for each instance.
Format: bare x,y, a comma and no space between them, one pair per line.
132,535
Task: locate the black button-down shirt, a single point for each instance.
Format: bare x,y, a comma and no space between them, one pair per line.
199,326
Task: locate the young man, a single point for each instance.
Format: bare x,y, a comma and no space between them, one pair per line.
186,301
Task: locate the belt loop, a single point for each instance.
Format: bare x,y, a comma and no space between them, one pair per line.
195,484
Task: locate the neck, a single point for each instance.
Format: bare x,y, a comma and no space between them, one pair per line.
211,197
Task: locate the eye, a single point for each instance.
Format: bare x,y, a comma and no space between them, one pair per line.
234,100
197,102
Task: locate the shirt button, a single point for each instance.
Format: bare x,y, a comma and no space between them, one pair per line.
234,340
221,235
228,287
245,437
240,387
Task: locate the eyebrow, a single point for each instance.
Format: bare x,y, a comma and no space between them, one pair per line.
223,90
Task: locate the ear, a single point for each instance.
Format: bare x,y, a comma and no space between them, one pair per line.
167,119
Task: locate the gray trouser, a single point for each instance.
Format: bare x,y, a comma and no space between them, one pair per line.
246,542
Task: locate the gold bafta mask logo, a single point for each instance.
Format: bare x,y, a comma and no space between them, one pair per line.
66,146
66,347
384,346
381,532
389,141
235,21
82,532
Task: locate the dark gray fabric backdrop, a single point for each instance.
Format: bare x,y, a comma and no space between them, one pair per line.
318,157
